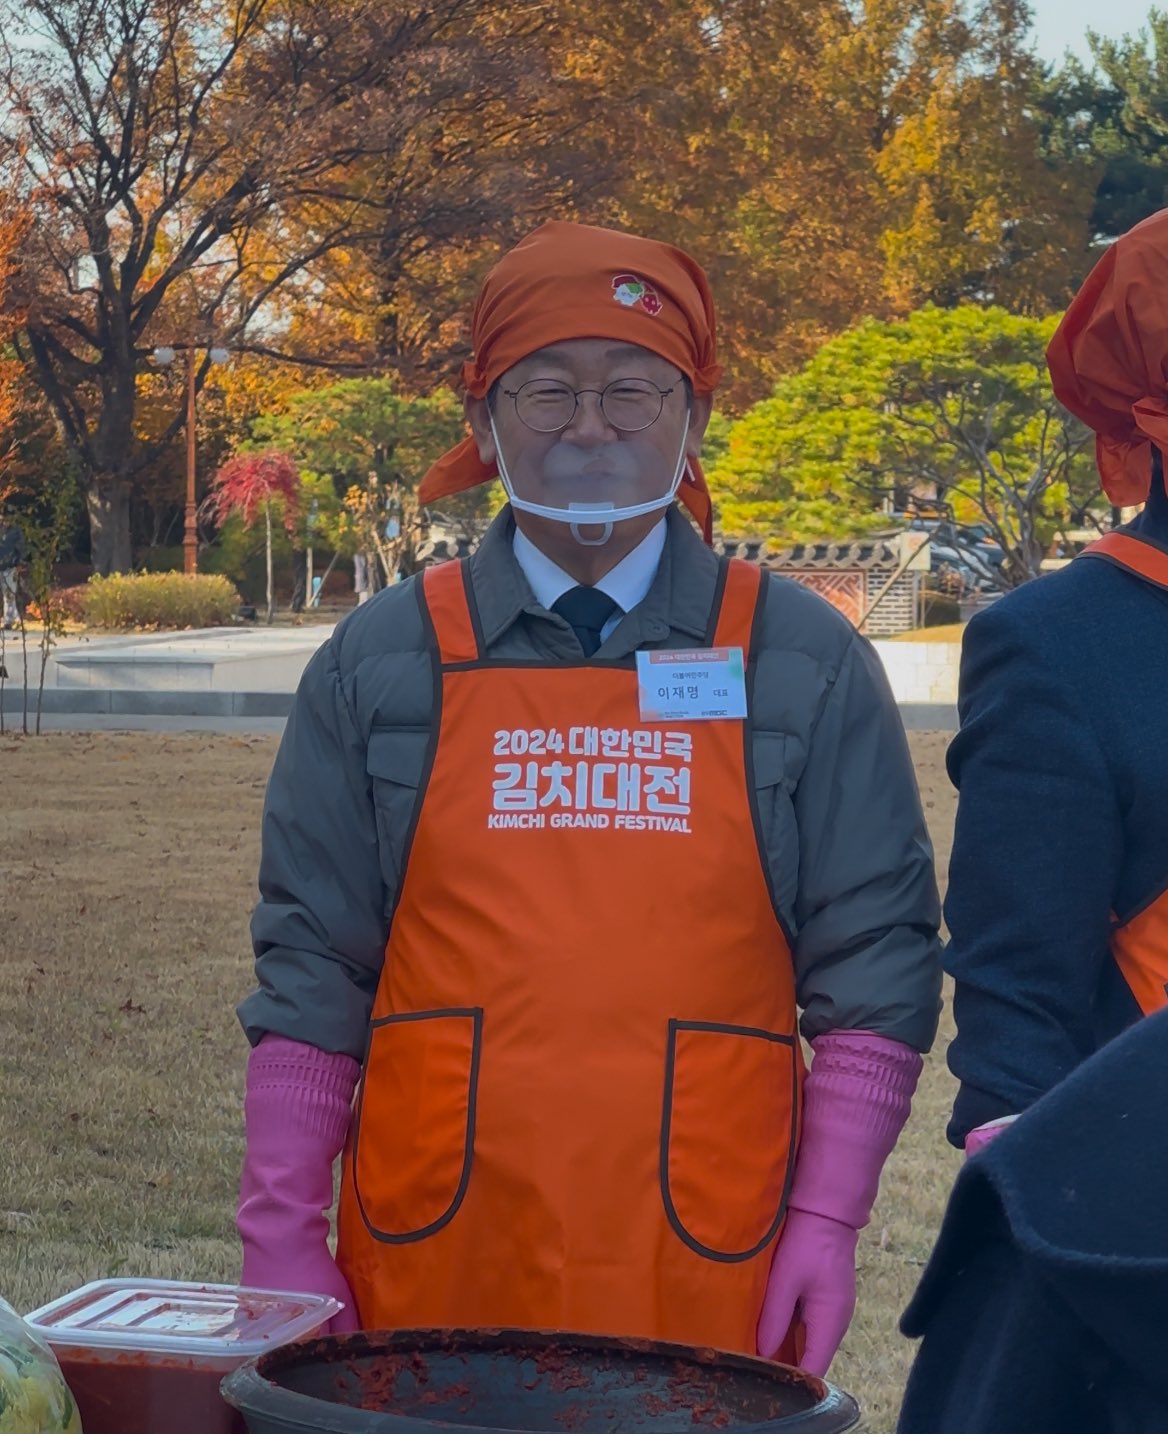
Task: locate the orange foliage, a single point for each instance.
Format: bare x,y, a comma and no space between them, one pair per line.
13,226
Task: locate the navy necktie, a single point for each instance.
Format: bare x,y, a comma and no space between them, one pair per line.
586,610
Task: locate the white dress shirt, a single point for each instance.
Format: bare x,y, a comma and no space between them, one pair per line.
627,583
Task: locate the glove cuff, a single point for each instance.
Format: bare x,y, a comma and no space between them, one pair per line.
297,1110
296,1093
982,1135
856,1101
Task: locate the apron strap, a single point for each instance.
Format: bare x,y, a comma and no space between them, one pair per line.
740,598
1137,555
1140,944
448,604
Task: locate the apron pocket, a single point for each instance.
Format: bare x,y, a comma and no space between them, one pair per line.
728,1136
416,1122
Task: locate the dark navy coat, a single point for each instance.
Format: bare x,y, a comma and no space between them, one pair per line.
1044,1307
1062,768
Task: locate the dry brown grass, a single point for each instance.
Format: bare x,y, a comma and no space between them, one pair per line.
126,879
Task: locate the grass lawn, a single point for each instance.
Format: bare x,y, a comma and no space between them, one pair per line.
943,632
128,876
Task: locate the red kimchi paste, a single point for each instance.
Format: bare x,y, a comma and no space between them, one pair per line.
137,1393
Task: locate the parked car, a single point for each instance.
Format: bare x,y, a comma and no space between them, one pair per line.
965,550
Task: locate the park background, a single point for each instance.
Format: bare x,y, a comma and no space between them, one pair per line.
286,208
272,217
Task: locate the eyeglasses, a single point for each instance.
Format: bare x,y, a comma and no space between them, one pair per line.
628,404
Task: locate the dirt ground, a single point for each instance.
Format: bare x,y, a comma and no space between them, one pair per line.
127,873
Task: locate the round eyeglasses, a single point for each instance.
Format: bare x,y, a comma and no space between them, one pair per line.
628,404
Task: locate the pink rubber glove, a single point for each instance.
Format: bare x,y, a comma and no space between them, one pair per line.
297,1110
981,1135
856,1100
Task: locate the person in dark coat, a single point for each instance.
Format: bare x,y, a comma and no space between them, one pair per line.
1044,1307
1057,902
13,553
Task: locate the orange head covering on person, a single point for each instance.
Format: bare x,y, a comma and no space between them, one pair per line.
1108,359
573,281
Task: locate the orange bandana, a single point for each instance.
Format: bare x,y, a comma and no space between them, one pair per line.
572,281
1108,359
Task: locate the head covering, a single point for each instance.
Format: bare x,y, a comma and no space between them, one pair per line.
1108,359
573,281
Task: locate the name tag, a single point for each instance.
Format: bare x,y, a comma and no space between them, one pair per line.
693,686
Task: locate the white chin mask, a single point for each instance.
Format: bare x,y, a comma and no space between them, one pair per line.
590,515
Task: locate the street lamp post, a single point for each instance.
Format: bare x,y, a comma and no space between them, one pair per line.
166,356
190,523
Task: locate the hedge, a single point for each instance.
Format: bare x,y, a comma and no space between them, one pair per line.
160,600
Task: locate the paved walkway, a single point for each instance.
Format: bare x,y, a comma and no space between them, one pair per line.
226,679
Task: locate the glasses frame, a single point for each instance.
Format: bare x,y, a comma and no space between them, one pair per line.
514,395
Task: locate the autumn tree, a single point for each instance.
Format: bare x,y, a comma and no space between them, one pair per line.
954,405
732,150
13,231
827,160
188,164
256,485
375,444
976,210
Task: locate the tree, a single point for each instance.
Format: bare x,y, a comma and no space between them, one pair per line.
828,161
976,210
1108,122
254,483
376,444
13,232
735,150
188,164
953,405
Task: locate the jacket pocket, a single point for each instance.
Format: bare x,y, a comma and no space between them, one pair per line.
728,1136
395,762
772,797
414,1144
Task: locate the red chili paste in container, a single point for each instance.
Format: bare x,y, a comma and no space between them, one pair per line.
148,1356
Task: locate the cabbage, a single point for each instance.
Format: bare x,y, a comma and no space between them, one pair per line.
34,1398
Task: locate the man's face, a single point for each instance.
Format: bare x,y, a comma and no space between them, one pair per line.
592,459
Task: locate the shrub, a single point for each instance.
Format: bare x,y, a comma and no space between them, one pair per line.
69,602
238,553
160,600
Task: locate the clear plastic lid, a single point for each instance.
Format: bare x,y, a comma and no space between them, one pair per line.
170,1317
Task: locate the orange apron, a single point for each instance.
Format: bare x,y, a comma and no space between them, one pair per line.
580,1100
1139,941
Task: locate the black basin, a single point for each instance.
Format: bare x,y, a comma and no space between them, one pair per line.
471,1381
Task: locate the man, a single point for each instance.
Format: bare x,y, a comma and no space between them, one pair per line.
557,842
1056,901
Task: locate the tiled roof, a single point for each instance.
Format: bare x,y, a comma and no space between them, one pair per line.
826,557
836,557
441,550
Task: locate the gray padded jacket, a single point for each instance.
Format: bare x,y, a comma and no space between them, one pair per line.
846,849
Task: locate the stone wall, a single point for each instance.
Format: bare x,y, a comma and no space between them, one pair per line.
851,592
921,671
898,608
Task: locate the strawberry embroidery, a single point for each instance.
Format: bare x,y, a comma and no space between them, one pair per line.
630,290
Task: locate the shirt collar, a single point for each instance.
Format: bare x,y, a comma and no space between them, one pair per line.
627,583
680,596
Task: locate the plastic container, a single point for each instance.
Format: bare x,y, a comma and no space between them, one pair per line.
148,1356
471,1381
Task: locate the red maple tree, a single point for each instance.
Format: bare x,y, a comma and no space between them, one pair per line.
249,484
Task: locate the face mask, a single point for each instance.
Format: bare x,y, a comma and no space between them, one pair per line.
589,515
